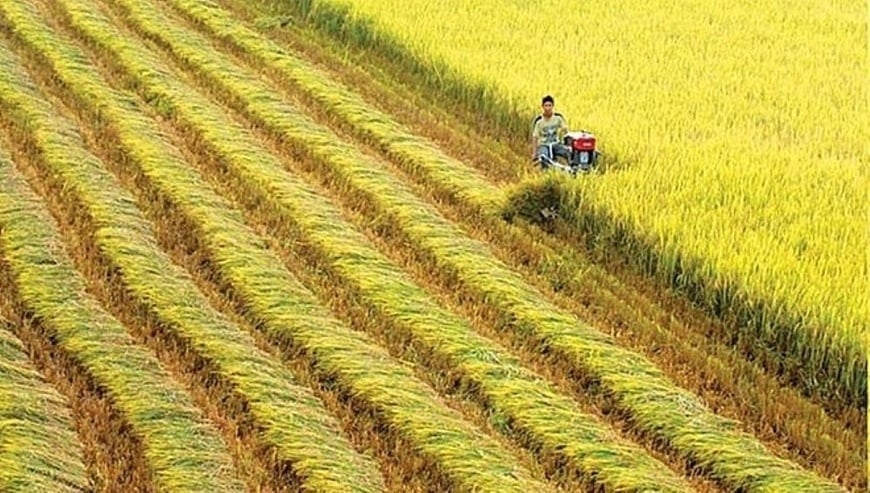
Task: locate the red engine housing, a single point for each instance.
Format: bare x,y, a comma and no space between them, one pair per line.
585,142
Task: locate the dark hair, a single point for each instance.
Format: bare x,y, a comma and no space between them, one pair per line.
547,99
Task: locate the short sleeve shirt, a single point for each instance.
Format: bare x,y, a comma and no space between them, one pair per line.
550,129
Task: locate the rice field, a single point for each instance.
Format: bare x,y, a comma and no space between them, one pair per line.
736,133
239,255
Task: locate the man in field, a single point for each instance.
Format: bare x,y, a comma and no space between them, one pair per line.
548,129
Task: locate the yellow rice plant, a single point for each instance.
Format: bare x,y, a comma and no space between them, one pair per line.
294,424
274,299
585,445
183,452
656,404
39,449
738,131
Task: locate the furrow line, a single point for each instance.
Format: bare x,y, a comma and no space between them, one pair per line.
528,406
138,426
295,436
636,387
277,303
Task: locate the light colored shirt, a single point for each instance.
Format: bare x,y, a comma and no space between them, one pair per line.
550,129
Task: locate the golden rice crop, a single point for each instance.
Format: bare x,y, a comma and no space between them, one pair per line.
657,404
738,130
475,267
429,164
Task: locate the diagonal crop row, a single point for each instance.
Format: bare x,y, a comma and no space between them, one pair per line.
39,448
636,386
300,441
804,430
797,428
530,404
182,452
420,155
417,156
278,303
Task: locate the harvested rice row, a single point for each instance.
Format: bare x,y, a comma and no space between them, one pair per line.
39,449
278,303
417,153
515,393
659,407
300,441
799,429
803,427
183,452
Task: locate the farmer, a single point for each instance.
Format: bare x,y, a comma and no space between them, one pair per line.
548,129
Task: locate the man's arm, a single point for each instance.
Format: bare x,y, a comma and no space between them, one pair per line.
535,139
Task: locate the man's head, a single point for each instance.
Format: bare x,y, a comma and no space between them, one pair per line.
547,105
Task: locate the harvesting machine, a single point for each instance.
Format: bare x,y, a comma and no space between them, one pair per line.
579,153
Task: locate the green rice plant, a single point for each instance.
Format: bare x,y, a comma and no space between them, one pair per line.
303,441
183,451
39,449
656,405
278,303
513,392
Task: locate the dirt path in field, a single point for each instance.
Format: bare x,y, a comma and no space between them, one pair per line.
679,339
